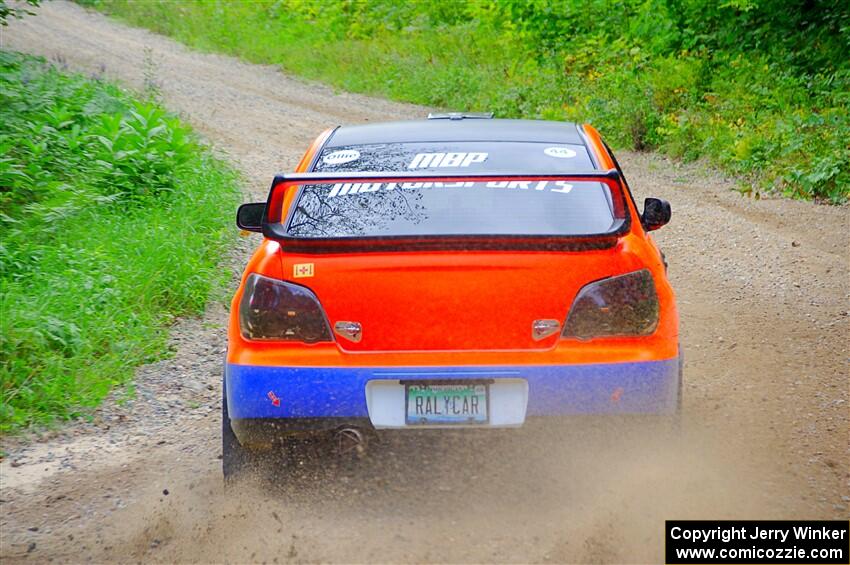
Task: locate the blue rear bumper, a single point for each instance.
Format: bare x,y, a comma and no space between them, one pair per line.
650,387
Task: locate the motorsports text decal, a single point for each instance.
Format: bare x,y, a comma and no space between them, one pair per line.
349,188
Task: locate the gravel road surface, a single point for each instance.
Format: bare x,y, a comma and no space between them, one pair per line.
763,295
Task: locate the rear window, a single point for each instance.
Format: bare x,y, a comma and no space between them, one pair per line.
499,207
544,207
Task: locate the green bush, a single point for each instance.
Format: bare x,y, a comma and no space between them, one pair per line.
758,86
113,221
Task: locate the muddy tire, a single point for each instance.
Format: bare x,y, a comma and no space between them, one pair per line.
234,457
676,420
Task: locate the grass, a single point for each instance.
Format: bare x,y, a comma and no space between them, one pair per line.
759,87
114,218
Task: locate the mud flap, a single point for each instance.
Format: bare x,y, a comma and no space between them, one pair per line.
235,458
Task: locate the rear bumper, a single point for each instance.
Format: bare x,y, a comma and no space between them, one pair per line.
317,398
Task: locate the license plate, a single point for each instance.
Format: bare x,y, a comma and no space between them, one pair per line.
441,404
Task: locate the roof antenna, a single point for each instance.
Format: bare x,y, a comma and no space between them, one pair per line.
461,116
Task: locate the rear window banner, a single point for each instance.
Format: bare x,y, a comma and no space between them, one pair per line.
472,156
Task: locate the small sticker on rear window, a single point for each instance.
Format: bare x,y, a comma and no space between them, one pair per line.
341,157
560,152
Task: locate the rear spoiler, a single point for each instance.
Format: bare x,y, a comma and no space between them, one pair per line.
318,178
272,217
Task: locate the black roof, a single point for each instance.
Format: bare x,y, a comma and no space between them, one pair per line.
436,130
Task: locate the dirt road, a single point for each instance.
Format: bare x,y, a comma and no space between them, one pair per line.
763,294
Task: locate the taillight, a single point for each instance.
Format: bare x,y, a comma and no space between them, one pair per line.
273,309
625,305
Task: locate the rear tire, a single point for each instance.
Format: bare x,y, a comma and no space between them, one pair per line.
677,415
670,424
234,457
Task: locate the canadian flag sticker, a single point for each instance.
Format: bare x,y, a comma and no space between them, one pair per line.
301,270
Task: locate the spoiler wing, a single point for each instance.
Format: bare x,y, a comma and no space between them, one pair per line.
286,189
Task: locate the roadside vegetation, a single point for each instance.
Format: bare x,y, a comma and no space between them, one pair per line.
114,218
760,87
16,10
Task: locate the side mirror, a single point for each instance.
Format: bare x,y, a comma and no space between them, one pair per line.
249,217
656,213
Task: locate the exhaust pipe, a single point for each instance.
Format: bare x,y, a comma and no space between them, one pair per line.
349,441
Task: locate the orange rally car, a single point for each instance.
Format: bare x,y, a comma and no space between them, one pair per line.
459,271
